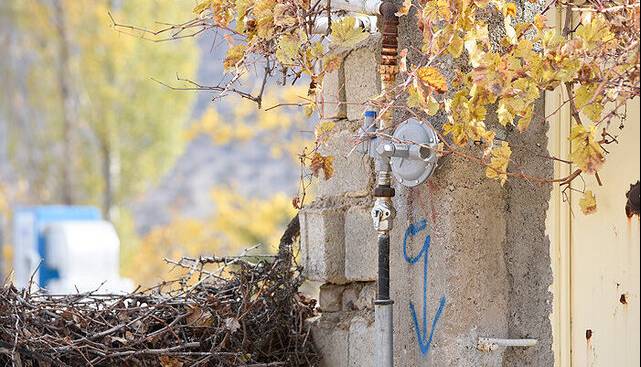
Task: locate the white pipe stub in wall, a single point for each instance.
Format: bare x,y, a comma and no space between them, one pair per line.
371,7
491,344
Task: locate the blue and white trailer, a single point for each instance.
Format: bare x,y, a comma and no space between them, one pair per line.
66,249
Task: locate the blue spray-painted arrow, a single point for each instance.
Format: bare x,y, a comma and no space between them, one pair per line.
424,341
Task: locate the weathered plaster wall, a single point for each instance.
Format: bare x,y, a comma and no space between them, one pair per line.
469,258
527,252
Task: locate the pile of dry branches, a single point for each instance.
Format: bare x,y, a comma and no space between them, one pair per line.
241,314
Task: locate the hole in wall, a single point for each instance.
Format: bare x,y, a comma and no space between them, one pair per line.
623,299
588,334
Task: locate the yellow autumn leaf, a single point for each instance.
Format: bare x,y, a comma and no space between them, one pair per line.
497,169
588,103
309,109
417,99
509,9
264,14
287,49
588,203
539,22
437,9
346,33
234,55
479,34
284,15
505,115
430,76
455,48
432,107
324,130
594,32
526,118
414,99
219,10
202,6
457,131
241,8
586,152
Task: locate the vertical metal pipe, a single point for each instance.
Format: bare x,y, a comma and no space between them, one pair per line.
384,316
384,192
384,306
383,267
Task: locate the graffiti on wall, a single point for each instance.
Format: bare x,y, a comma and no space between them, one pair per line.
420,326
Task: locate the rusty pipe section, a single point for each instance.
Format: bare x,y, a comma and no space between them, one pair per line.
389,54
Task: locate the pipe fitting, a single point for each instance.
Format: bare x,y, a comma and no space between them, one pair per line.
383,214
492,344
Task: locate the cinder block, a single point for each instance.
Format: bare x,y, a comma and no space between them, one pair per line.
330,297
361,250
331,101
362,80
359,296
322,244
352,170
350,296
362,342
366,297
331,341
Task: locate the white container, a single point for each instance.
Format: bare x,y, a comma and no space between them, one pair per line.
86,255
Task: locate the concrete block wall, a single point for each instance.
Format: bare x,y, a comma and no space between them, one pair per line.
464,264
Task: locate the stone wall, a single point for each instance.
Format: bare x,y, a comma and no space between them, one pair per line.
469,258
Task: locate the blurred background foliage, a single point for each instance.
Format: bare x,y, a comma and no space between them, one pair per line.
83,122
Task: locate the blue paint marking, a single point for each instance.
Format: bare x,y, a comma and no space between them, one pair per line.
424,341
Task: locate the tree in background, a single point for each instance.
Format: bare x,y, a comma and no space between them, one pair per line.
87,124
238,223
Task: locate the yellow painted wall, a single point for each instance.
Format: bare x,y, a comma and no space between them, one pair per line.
595,258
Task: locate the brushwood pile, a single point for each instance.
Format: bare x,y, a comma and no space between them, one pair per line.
248,312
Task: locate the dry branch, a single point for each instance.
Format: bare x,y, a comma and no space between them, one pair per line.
250,317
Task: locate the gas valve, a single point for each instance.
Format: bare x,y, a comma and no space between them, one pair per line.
411,152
